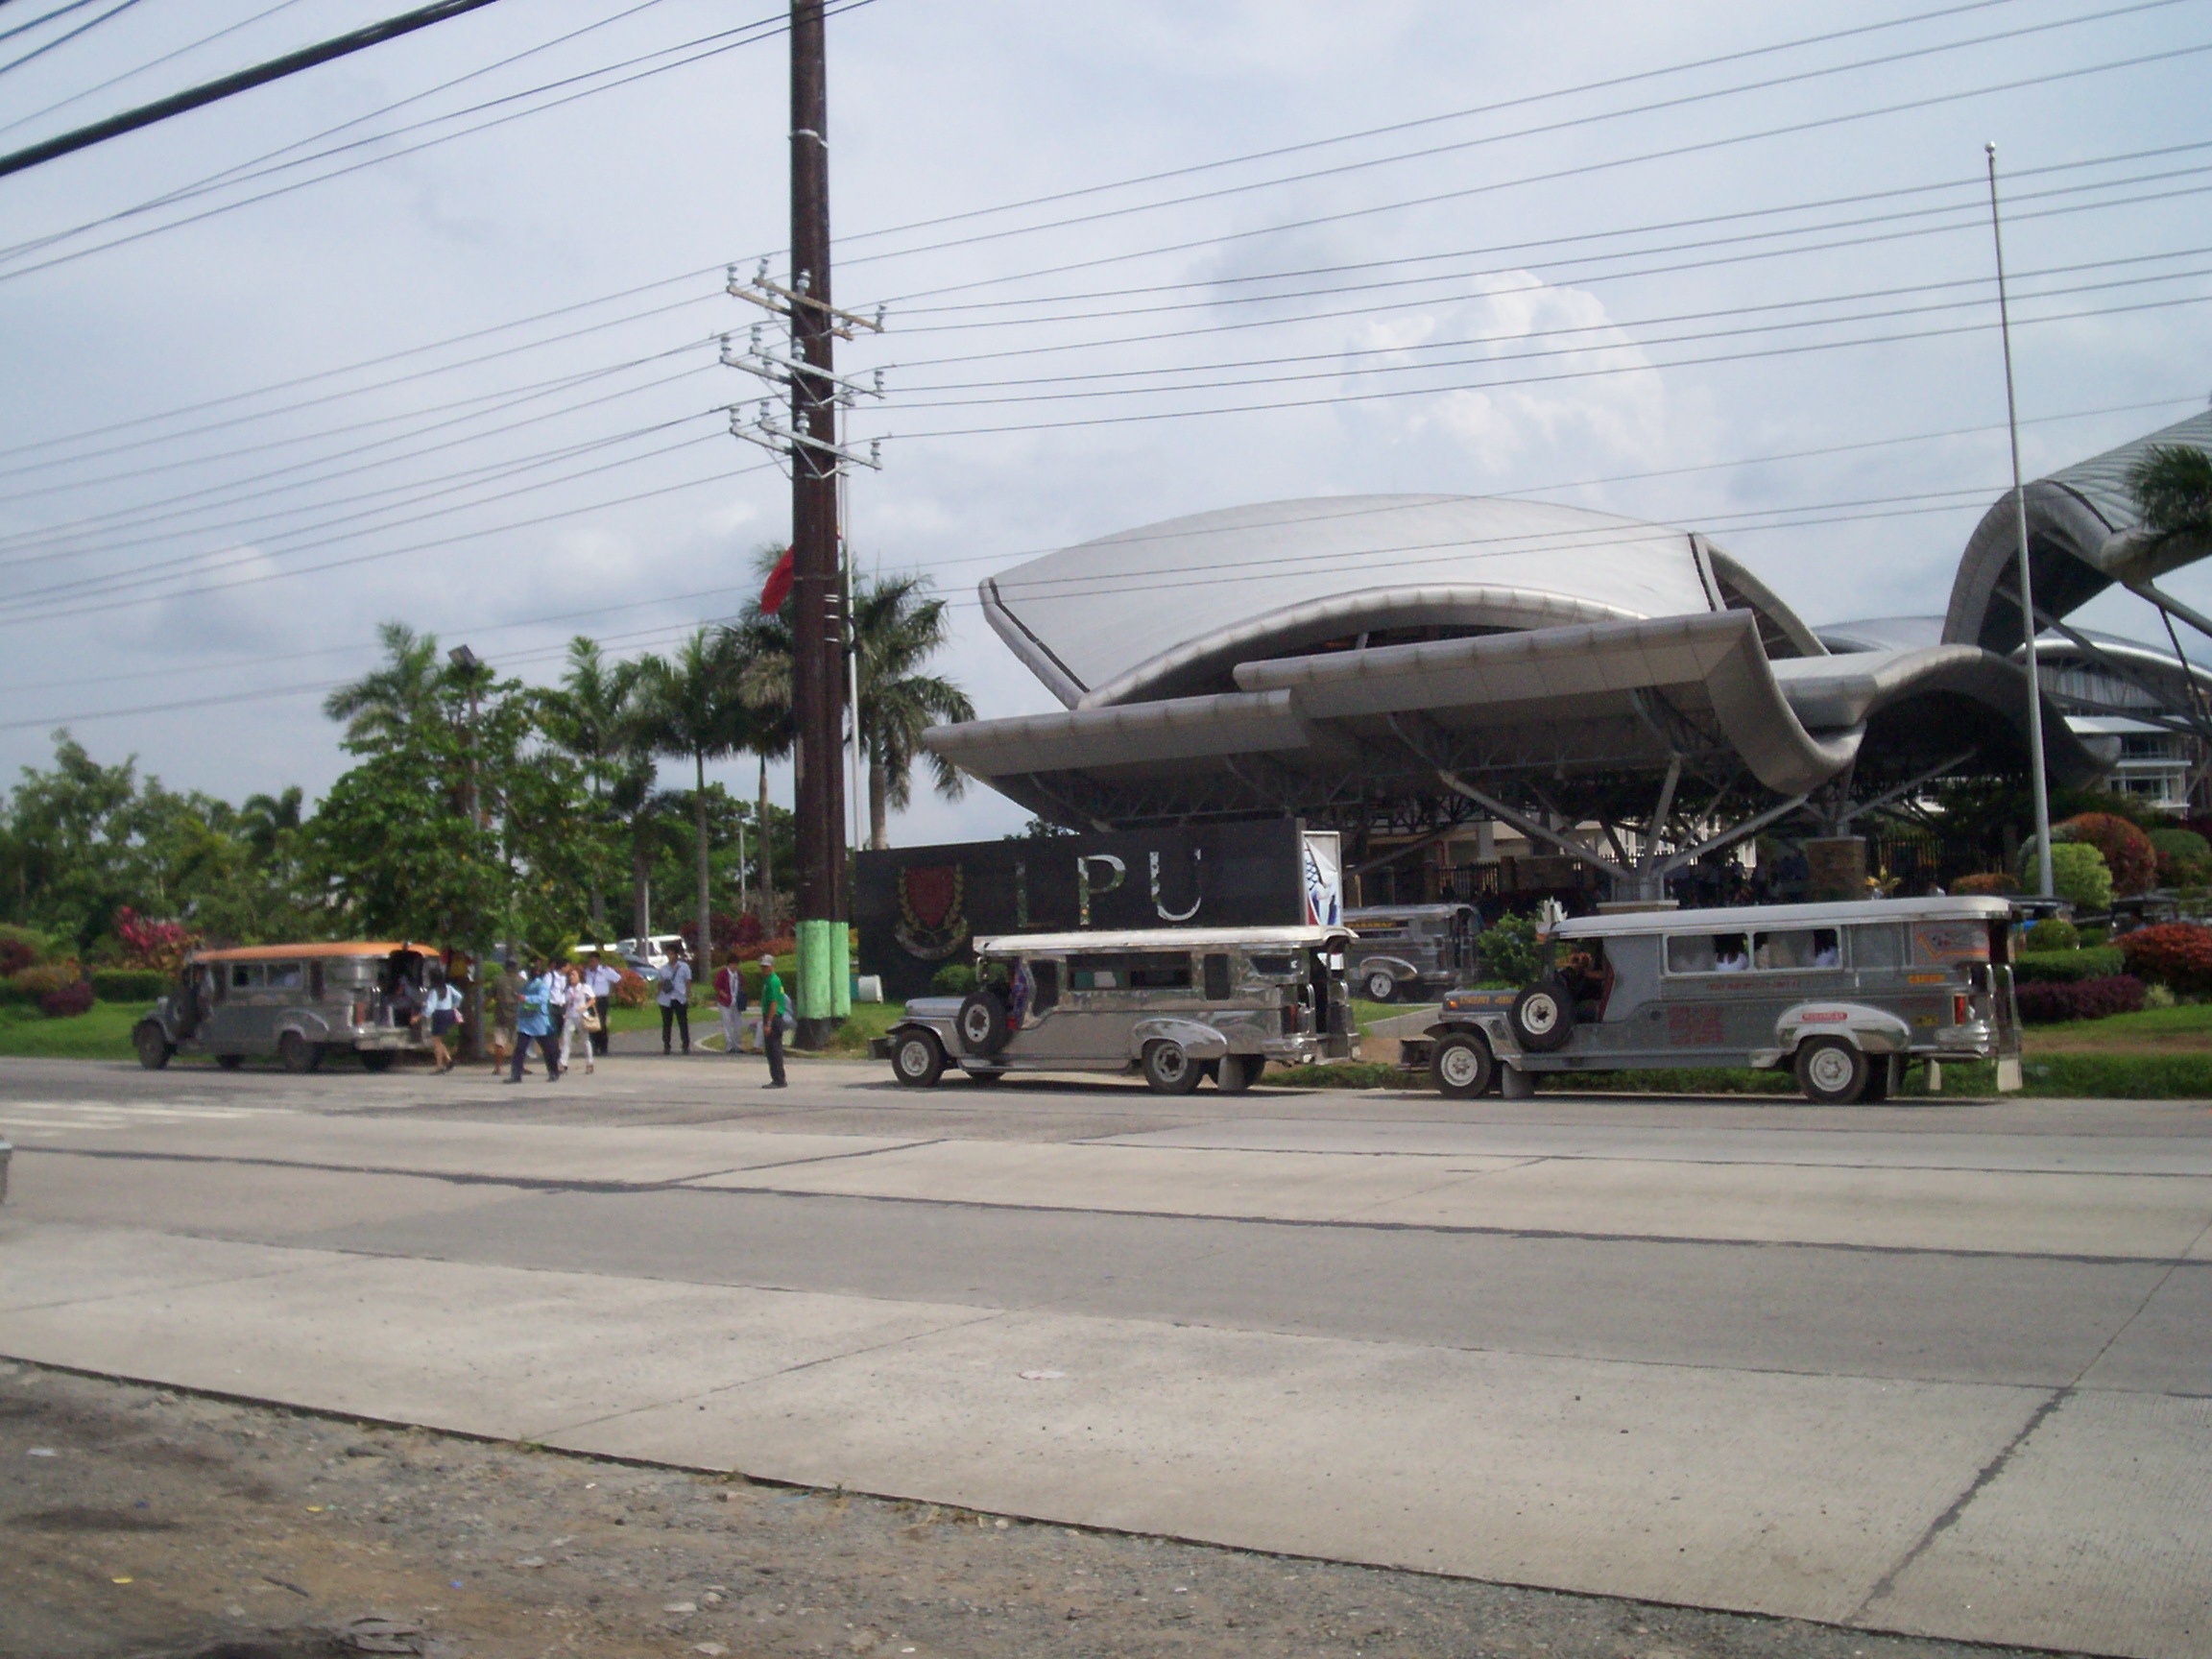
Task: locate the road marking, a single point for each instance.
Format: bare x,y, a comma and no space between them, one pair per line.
46,1118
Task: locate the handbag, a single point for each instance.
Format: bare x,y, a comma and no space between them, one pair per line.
589,1019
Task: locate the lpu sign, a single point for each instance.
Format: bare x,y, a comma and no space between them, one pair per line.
918,908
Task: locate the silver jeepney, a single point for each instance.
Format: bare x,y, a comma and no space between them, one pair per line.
297,1003
1842,995
1410,953
1175,1004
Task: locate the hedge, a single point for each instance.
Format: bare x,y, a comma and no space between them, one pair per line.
67,1002
2055,1004
129,984
2064,967
2053,933
2177,954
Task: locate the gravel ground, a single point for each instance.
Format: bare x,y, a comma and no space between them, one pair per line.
135,1522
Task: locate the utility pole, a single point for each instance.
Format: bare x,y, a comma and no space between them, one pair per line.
469,662
822,995
2036,781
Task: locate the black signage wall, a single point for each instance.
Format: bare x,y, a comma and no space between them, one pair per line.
918,908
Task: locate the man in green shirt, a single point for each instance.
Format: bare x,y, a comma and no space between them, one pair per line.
773,1004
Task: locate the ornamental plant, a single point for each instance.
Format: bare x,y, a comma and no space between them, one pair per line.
1508,948
2050,1004
68,1001
2052,933
630,991
43,978
2127,852
157,945
14,957
2184,857
2079,874
2176,955
1990,883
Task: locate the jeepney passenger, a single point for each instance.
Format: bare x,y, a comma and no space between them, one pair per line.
1826,952
1729,955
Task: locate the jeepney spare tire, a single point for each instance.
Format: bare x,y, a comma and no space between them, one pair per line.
1237,1072
1543,1016
981,1024
1170,1069
298,1054
1380,986
152,1045
1462,1067
378,1059
916,1059
1832,1073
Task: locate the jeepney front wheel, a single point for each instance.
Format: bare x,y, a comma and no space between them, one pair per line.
916,1060
1168,1069
1832,1073
1380,986
152,1045
298,1054
1462,1067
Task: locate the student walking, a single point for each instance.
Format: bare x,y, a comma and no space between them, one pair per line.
676,997
602,980
729,998
533,1023
442,1008
582,1024
774,1005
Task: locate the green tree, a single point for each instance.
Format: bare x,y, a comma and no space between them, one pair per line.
595,716
764,644
697,707
2173,489
899,626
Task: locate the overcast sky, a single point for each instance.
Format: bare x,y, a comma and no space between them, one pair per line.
1653,296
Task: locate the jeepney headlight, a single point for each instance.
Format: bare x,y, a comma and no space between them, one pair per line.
1961,1010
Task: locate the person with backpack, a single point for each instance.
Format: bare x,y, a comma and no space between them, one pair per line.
775,1009
730,999
533,1023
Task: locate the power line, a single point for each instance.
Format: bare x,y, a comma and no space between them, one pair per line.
121,6
154,63
227,85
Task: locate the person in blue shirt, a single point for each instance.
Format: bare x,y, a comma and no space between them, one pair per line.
533,1023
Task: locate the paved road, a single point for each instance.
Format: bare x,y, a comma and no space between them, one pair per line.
1940,1369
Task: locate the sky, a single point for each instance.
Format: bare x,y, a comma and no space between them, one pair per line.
431,334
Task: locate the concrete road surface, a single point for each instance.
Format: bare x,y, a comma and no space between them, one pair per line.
1936,1369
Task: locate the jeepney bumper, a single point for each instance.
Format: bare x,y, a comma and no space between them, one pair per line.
362,1038
879,1048
1304,1049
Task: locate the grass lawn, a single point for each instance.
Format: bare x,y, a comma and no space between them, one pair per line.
102,1034
2179,1030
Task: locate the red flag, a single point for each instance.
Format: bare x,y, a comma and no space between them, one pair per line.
779,586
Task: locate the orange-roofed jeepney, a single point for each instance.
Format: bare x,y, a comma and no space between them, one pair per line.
298,1004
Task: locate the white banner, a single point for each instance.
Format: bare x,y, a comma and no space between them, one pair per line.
1324,862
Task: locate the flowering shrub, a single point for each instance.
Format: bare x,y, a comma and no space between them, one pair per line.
157,945
1990,883
14,957
2127,852
2177,954
630,991
70,1000
2050,1004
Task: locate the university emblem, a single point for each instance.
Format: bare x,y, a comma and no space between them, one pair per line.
933,917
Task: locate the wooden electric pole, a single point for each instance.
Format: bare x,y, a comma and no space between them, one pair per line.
818,631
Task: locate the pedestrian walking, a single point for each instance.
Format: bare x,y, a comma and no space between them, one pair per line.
729,998
533,1023
775,1009
506,999
442,1008
602,979
581,1023
676,997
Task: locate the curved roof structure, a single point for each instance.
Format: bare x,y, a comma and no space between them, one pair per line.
1172,608
1323,656
2083,535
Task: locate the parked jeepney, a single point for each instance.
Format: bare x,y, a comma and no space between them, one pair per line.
1175,1004
1843,994
297,1002
1411,953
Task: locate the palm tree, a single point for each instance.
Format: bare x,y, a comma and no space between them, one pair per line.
899,627
697,707
264,821
764,643
2173,489
386,702
595,715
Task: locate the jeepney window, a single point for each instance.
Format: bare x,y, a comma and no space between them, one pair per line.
245,975
1878,946
1159,973
1707,954
283,977
1045,978
1094,973
1275,967
1217,976
1797,948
